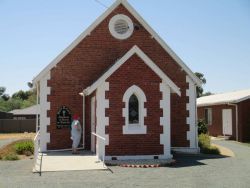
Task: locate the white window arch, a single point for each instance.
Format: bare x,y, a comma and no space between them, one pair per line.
134,111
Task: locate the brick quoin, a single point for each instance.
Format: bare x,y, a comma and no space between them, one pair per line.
87,62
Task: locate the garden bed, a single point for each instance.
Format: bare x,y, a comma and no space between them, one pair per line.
21,149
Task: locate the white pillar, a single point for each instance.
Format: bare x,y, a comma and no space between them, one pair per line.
83,120
102,121
165,137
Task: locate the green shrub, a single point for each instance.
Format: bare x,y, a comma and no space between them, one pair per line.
211,150
24,147
11,157
205,145
202,127
204,141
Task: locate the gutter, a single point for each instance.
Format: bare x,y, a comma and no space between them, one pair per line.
83,118
196,119
236,117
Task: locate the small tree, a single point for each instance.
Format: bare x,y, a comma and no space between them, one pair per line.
23,95
202,127
199,90
2,90
5,97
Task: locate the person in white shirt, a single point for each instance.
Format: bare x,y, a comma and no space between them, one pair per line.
76,132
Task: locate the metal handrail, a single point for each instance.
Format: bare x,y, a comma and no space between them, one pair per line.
104,139
37,134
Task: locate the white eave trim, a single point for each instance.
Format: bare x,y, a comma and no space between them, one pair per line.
87,32
76,41
146,60
223,102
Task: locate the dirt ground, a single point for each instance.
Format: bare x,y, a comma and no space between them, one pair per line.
4,136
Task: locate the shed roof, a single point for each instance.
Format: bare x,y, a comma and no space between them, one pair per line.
32,110
224,98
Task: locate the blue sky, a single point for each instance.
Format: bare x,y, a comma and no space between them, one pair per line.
210,36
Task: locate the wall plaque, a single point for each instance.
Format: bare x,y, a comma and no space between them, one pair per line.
63,118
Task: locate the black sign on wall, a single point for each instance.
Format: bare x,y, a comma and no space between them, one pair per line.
63,118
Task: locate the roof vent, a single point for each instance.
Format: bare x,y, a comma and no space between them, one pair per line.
121,27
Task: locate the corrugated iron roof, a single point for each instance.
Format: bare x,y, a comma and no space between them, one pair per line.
32,110
224,98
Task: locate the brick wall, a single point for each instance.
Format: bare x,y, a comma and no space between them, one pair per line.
244,120
91,57
134,72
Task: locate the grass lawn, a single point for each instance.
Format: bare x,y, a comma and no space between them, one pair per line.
4,136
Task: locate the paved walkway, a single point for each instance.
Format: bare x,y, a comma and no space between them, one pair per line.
65,161
6,141
199,171
224,151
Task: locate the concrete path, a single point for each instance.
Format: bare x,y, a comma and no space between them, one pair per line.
4,142
65,161
224,151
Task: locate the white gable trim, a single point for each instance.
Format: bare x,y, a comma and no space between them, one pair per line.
76,41
119,63
98,21
162,43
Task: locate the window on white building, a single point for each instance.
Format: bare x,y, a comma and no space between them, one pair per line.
208,116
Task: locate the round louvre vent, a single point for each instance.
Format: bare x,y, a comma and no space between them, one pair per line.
121,26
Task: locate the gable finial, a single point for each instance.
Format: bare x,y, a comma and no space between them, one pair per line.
121,1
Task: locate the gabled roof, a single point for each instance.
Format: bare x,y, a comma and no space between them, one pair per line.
135,50
224,98
32,110
98,21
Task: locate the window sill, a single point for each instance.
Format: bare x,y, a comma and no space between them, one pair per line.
134,129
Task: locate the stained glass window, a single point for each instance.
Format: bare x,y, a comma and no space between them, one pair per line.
133,110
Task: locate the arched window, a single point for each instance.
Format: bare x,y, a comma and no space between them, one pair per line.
133,110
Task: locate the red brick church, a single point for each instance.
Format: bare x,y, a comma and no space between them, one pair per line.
128,87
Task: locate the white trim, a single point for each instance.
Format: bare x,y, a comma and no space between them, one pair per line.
165,137
140,128
224,102
98,21
186,150
209,119
227,121
138,157
83,121
112,23
191,108
134,50
101,120
93,123
39,108
44,107
236,121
